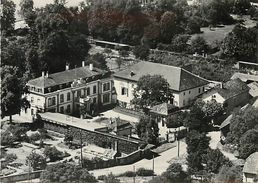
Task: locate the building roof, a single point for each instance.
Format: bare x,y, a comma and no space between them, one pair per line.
245,77
232,88
65,77
255,104
253,89
251,164
178,78
163,109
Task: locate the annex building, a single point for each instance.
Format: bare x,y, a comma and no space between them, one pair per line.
185,85
65,91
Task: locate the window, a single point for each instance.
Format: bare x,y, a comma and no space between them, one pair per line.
203,89
61,98
106,86
94,100
53,101
68,109
106,98
38,101
94,89
88,91
62,109
68,96
184,93
199,90
183,102
31,99
190,92
32,111
124,91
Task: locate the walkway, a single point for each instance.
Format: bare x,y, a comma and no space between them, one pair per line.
160,163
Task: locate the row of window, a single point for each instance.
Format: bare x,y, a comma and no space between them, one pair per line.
39,90
68,109
199,90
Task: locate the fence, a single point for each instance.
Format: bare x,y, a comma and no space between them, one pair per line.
21,177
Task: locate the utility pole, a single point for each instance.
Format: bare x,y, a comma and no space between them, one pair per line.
81,147
153,166
178,142
134,174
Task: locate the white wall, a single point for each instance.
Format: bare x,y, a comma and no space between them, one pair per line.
209,96
248,178
185,97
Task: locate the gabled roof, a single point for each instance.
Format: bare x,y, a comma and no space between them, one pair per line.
232,88
253,89
245,77
178,78
251,164
163,109
65,77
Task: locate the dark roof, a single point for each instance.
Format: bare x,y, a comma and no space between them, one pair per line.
178,78
251,164
163,109
232,88
65,77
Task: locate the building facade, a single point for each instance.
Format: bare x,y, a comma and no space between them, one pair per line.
184,85
66,91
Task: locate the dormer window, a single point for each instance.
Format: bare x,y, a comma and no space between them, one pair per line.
49,89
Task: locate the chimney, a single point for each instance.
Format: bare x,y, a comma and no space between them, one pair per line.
43,74
47,74
91,67
67,67
83,63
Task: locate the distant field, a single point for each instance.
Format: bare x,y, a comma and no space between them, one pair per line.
219,33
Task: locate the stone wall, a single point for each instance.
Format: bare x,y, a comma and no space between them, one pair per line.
121,144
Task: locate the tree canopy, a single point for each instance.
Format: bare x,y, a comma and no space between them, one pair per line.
152,90
7,17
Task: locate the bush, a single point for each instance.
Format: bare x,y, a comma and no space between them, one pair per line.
36,161
34,137
141,52
128,174
144,172
53,154
7,139
102,177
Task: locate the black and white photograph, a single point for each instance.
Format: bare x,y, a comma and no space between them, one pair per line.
129,91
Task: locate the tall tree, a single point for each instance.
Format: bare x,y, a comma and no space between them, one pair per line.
168,26
148,130
175,173
7,17
152,90
11,92
27,11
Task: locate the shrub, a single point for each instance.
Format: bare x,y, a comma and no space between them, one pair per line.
144,172
128,174
53,154
36,161
102,177
34,137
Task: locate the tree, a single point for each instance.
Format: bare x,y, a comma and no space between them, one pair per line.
11,92
240,123
197,147
241,43
179,43
194,25
151,36
215,160
68,173
230,174
176,120
175,173
199,45
168,26
98,60
7,17
147,129
53,154
151,90
18,132
7,139
36,161
248,143
241,6
119,62
27,11
141,51
111,179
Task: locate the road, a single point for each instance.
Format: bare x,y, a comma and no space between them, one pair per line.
160,163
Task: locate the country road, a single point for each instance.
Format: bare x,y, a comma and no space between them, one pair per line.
160,163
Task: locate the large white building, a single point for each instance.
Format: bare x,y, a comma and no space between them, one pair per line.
185,85
65,91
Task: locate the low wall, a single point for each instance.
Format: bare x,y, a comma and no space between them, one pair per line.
118,143
21,177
